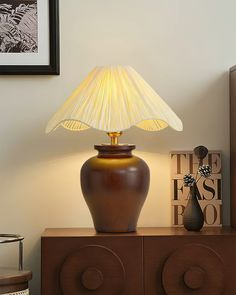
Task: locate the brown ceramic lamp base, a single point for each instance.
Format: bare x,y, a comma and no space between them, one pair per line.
115,185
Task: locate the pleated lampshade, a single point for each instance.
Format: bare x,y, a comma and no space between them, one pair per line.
113,99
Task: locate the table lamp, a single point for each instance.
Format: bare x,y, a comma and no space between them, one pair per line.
114,183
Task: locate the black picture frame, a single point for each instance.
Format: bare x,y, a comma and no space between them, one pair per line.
54,55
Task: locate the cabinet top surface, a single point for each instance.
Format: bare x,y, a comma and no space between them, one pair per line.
145,231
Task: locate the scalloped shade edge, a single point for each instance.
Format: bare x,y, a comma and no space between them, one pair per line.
113,99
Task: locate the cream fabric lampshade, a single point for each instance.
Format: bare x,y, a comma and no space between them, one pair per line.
113,99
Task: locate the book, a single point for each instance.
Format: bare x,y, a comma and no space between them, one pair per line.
209,191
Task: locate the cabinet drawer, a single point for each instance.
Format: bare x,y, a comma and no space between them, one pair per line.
92,265
201,265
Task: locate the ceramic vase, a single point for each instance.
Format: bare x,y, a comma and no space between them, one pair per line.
193,218
115,185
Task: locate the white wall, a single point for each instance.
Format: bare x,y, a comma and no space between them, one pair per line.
183,48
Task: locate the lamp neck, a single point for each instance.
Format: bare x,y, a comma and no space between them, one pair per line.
114,136
114,151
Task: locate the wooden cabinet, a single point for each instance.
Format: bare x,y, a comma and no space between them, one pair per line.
152,261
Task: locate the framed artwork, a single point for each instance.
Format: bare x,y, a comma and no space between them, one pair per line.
29,37
209,190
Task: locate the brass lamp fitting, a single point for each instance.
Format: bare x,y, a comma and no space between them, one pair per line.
114,137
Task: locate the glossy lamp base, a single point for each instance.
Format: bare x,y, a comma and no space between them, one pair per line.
115,185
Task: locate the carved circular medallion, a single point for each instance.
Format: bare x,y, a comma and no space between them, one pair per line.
194,277
92,278
194,268
92,268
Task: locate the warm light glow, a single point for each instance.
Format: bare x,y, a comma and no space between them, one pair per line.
113,99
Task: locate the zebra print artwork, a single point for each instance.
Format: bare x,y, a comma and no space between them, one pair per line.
18,26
